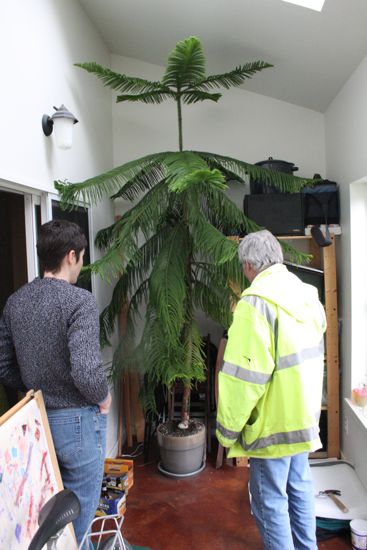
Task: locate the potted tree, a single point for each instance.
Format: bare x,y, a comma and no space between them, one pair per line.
170,250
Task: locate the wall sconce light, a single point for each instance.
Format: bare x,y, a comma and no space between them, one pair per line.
62,121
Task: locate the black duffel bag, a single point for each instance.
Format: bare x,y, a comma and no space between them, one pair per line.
321,203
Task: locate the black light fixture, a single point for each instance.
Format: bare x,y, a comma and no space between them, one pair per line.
62,121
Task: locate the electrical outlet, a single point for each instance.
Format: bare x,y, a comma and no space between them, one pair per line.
346,425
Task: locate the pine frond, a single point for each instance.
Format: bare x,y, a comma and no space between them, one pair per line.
110,265
127,355
232,78
215,302
122,235
154,215
228,276
139,267
104,236
110,312
121,238
194,96
132,284
185,169
186,64
154,97
236,280
168,281
148,400
223,213
293,254
194,363
208,178
125,359
228,174
228,218
144,180
120,82
286,183
146,215
179,164
159,355
208,240
95,189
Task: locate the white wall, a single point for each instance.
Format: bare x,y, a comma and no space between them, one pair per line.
40,41
346,160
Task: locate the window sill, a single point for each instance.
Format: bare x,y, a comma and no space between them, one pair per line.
360,412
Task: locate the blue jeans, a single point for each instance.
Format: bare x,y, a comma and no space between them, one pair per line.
283,502
79,437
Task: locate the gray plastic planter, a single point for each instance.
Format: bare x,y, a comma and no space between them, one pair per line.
182,456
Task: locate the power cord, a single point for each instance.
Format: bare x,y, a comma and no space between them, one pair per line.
137,452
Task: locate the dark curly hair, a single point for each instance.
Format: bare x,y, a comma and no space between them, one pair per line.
56,239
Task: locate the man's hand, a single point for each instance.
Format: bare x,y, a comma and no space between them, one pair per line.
104,407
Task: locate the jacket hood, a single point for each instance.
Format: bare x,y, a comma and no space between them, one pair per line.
276,284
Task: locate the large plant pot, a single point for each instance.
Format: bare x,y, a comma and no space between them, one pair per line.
183,452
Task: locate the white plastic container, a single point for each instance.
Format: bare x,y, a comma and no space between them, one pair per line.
358,529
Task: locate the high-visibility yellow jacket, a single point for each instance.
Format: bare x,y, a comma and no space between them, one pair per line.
270,384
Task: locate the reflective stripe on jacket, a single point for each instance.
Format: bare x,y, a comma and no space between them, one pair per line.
270,384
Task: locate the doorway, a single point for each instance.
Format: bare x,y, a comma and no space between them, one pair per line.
13,251
13,262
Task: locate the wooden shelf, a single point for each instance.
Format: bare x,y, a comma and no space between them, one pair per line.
319,454
325,259
293,237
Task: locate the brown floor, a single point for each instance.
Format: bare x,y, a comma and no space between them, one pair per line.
207,512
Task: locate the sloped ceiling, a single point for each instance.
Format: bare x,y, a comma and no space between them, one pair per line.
313,53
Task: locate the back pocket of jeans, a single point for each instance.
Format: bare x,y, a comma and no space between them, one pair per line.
66,435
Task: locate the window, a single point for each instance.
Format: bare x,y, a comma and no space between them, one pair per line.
358,255
316,5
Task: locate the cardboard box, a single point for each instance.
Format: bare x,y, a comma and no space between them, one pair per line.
113,504
117,467
117,483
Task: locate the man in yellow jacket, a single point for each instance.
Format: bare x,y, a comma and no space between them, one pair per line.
270,388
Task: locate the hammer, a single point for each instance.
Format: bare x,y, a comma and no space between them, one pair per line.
331,493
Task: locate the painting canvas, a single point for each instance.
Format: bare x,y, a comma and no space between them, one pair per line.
29,474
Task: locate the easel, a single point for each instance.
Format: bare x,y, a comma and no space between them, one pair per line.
30,472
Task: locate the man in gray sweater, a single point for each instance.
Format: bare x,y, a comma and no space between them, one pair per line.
49,341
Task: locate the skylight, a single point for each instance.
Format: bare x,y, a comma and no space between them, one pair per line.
316,5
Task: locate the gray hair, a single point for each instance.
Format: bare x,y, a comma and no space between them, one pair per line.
260,249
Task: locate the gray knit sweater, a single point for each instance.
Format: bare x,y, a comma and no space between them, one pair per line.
49,340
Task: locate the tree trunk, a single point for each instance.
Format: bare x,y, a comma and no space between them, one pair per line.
179,116
185,405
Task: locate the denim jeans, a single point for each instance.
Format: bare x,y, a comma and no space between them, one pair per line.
79,437
282,501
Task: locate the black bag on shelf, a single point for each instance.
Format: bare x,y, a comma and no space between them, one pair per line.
321,203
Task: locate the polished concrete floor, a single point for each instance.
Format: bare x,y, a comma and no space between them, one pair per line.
207,512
